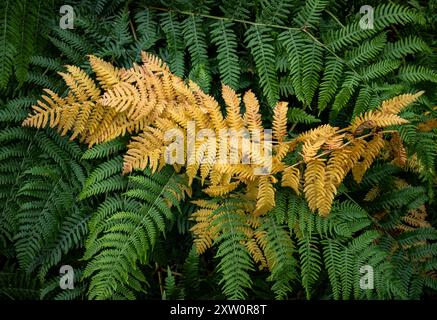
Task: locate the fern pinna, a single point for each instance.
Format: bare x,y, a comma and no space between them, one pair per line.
352,177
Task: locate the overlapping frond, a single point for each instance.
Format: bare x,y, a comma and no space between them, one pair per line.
151,101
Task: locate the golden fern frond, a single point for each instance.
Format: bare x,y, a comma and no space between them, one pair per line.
427,126
123,96
202,230
82,119
252,117
206,204
396,104
266,195
291,178
314,183
210,148
386,114
414,219
372,193
221,190
280,151
47,111
280,121
342,160
398,150
233,115
373,148
375,119
256,253
310,149
317,133
84,82
154,63
413,164
106,73
144,150
417,217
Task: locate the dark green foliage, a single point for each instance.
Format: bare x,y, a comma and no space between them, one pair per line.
127,236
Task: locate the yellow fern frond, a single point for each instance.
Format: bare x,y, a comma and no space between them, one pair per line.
427,126
221,190
376,119
266,195
46,112
315,183
256,253
233,116
398,150
147,101
81,124
396,104
372,150
310,149
372,194
106,73
320,132
84,82
123,96
202,230
252,117
205,204
291,178
280,121
154,63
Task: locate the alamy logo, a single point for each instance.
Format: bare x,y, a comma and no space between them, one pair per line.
67,277
366,21
67,20
366,280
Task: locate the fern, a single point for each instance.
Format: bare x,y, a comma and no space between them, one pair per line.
262,50
222,35
173,31
129,235
353,168
235,261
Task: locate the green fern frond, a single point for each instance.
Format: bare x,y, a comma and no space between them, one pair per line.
405,46
311,13
310,263
105,149
261,46
294,43
117,243
330,81
416,74
312,59
235,262
173,33
279,252
296,115
223,36
276,12
195,39
368,50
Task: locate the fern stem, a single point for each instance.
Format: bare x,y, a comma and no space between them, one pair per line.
225,19
335,18
131,25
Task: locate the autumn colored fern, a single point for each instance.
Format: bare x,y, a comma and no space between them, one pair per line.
148,101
